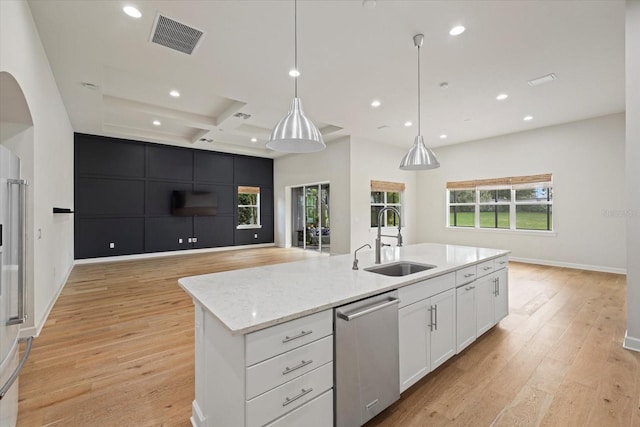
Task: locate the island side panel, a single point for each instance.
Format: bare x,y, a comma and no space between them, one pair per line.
220,373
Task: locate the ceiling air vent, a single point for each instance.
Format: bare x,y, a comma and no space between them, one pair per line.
175,35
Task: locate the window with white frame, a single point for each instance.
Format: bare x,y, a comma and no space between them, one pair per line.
386,194
248,207
511,203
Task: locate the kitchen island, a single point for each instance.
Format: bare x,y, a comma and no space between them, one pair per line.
264,336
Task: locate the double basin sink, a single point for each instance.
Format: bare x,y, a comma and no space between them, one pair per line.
400,268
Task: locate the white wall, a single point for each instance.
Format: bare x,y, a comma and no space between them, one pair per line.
380,162
330,165
48,164
632,339
586,159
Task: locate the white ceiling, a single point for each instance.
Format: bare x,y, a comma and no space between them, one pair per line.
348,55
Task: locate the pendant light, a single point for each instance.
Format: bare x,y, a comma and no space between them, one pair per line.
295,133
419,157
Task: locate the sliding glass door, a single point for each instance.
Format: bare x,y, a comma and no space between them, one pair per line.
310,217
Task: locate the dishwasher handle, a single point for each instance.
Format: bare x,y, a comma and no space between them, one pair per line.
350,316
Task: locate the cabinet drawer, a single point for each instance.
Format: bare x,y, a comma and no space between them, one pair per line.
465,275
317,413
484,268
501,262
277,339
425,289
291,395
272,372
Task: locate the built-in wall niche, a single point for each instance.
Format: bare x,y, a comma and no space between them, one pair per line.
135,197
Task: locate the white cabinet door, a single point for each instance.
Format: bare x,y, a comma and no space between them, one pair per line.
501,298
465,316
413,335
443,329
484,304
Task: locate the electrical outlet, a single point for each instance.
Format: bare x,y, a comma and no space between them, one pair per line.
179,240
112,245
255,235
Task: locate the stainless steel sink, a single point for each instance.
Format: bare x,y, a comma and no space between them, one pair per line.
401,268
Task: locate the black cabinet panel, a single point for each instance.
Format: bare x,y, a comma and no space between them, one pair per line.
98,196
254,171
164,233
170,163
226,195
266,201
248,236
213,231
94,237
213,167
98,156
158,197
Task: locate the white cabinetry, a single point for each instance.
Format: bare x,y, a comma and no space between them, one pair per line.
282,375
426,327
501,297
482,299
466,316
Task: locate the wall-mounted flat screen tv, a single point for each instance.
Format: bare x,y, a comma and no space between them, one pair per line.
193,203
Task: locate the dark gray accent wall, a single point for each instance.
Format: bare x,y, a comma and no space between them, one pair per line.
123,197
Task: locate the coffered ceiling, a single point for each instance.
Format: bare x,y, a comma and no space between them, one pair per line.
115,80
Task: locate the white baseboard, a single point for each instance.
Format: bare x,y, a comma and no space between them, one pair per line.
631,343
570,265
34,331
197,419
171,253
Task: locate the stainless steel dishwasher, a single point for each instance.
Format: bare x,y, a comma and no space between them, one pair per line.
366,358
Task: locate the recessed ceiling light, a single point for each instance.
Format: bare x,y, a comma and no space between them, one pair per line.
156,123
375,103
443,136
457,30
527,118
502,97
175,93
254,139
132,11
408,124
294,73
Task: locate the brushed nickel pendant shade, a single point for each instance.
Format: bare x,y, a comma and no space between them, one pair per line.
419,157
295,133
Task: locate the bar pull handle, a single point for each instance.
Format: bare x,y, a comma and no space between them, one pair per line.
5,388
295,337
22,250
302,364
435,316
372,404
487,268
351,316
304,392
469,275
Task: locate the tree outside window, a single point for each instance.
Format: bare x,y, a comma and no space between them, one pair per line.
248,207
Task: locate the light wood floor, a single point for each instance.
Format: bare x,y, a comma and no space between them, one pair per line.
117,350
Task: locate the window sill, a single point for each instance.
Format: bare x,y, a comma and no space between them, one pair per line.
248,227
541,233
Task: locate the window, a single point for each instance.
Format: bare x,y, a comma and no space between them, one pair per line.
248,207
512,203
386,194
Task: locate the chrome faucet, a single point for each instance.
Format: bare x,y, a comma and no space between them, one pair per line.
379,243
355,258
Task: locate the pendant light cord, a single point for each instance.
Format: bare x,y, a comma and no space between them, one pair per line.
419,90
295,43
